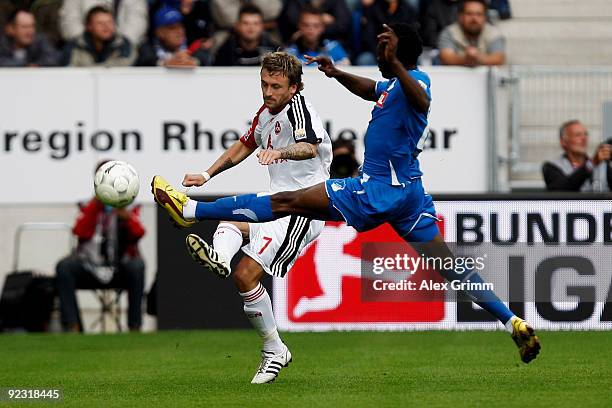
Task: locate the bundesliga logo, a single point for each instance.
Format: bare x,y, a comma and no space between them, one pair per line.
277,128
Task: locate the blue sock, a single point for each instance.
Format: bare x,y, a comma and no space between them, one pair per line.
247,208
487,299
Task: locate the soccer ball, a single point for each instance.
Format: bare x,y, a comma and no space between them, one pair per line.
116,183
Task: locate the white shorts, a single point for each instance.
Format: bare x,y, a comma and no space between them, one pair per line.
275,245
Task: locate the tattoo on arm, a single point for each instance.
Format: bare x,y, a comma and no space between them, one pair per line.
226,164
298,151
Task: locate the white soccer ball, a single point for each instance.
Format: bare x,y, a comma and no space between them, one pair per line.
116,183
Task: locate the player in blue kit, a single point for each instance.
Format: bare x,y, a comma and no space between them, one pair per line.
389,188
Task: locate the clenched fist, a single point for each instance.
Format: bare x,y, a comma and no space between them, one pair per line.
191,180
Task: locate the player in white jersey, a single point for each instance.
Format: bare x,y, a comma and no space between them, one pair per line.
297,150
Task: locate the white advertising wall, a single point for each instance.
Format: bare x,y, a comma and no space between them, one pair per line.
324,289
56,124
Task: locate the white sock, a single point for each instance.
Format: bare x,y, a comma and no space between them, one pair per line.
189,209
258,308
508,324
227,240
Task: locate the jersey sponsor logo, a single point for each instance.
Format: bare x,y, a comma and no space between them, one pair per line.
381,100
277,128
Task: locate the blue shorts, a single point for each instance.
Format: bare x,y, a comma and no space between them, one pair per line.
364,206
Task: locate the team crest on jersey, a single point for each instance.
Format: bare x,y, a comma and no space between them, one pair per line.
381,100
277,128
338,185
300,134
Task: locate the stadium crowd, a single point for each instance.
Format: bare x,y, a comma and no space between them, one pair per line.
189,33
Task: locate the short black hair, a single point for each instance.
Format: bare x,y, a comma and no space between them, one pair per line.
409,45
95,10
462,4
249,8
342,142
13,16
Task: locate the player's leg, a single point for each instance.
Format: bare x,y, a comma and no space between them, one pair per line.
258,308
228,238
311,202
274,246
227,241
426,240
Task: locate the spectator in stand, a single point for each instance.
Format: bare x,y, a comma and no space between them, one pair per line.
46,13
22,46
435,16
107,256
574,170
336,17
375,13
131,17
99,44
309,39
197,19
248,43
471,41
225,16
502,7
169,48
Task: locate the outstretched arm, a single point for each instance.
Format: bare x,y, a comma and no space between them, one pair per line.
297,151
360,86
231,157
416,95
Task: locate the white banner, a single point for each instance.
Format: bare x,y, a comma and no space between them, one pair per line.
56,124
323,291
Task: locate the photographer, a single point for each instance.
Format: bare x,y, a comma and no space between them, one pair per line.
344,163
574,170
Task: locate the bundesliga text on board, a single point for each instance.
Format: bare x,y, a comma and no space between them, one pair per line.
557,285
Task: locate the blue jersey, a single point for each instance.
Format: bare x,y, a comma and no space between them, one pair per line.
395,134
389,188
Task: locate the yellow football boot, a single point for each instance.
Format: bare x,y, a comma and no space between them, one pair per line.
526,340
172,200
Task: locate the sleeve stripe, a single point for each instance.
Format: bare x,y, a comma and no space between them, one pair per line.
300,113
299,116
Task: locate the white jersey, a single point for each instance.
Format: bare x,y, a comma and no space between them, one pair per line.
297,122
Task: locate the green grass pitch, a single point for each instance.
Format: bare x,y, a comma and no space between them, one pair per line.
338,369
